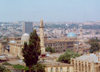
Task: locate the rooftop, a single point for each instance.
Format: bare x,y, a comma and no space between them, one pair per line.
90,58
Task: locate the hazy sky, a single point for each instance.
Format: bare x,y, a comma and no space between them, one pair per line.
50,10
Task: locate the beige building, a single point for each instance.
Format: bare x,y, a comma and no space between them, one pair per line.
58,67
3,45
61,44
16,49
51,64
12,46
87,63
71,41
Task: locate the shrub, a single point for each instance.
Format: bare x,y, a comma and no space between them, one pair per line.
66,57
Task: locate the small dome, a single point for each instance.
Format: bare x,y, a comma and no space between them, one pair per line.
25,35
24,38
12,41
71,34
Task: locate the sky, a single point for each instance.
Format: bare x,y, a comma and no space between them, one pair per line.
50,10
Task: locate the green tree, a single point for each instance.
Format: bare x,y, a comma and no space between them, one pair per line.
95,46
49,49
31,51
66,57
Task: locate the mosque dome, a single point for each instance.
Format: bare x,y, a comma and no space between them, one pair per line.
24,38
71,34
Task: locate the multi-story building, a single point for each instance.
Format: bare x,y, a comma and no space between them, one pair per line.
61,44
87,63
58,67
27,27
51,64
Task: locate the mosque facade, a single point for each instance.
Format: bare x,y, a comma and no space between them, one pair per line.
62,44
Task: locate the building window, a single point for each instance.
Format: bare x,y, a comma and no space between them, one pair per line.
56,69
51,69
61,69
67,69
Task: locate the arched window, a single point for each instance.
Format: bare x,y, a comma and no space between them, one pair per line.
61,70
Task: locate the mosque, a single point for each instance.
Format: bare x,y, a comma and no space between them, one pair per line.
62,44
72,41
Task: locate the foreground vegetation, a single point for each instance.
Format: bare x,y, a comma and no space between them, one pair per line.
31,53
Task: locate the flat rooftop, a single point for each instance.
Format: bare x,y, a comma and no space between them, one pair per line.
90,57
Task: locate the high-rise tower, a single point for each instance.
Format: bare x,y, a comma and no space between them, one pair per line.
42,37
27,27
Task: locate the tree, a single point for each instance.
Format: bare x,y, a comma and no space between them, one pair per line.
49,49
95,46
31,50
67,56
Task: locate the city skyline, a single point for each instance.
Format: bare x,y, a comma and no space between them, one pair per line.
50,11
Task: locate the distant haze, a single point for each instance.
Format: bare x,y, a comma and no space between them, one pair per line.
50,10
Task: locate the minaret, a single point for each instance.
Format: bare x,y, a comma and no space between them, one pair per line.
42,37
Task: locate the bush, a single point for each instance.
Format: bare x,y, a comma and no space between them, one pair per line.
67,56
49,49
6,63
18,66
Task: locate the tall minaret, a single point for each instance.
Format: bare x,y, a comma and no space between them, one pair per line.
42,37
